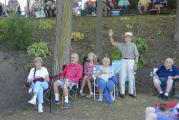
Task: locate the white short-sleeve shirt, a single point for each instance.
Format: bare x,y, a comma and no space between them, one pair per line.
107,72
39,73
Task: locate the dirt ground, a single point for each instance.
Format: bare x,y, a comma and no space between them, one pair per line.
14,70
87,109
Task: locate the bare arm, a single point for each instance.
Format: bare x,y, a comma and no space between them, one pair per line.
136,59
29,81
47,78
111,37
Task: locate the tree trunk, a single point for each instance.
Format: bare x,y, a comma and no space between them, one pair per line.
99,29
176,37
28,9
63,34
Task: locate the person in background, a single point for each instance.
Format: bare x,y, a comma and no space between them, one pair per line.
143,4
123,4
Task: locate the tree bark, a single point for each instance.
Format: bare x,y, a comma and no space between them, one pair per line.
176,37
63,34
28,9
99,29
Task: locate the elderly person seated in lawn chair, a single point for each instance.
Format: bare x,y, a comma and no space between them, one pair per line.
105,81
164,77
69,77
158,4
38,78
143,4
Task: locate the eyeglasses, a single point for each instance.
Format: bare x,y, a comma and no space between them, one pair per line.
73,57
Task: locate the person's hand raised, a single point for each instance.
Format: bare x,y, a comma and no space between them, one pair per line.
110,33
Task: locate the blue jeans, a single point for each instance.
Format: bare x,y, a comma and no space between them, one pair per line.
39,87
102,84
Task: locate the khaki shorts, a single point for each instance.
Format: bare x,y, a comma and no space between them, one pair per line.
66,81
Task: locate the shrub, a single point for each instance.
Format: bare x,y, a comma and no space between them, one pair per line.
3,23
20,31
115,55
76,36
45,25
3,37
142,47
38,49
3,30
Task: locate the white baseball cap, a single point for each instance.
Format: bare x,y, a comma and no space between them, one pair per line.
128,34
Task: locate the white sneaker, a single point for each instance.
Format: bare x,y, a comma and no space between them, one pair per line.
100,99
90,95
40,108
32,101
112,98
30,90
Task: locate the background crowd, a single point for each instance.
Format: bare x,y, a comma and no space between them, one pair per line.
110,8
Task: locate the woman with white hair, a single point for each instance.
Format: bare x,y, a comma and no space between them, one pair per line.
163,81
38,78
102,78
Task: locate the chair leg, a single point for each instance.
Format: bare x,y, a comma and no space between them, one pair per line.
114,92
76,94
50,100
62,103
94,91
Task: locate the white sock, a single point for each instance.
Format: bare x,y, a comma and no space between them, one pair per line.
40,108
66,98
35,96
57,97
101,96
161,92
166,94
91,93
39,105
81,91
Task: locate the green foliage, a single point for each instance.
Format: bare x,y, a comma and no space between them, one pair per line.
142,47
19,32
125,18
115,55
3,29
141,61
77,36
3,37
45,24
38,49
3,23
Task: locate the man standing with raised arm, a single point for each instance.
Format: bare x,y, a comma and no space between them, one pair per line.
130,56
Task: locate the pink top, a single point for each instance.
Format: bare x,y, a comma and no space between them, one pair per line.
88,69
73,72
